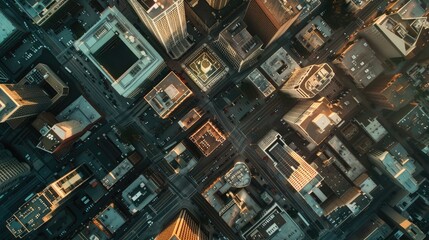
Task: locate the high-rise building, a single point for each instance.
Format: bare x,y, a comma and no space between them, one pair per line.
20,101
217,4
167,95
183,227
11,170
393,35
40,208
299,174
238,45
61,132
34,93
309,81
314,120
411,230
399,170
41,11
113,37
269,19
392,93
11,33
361,63
166,20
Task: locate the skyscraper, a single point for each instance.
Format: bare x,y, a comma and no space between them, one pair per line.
166,20
19,101
183,227
217,4
42,206
309,81
238,45
11,170
392,93
269,19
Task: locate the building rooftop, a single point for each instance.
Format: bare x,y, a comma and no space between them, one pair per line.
111,218
43,76
207,138
7,27
180,159
275,224
309,81
371,126
80,110
117,173
396,169
205,68
167,95
39,209
243,43
261,82
190,119
91,232
155,8
374,228
314,120
413,119
112,37
279,66
239,176
279,12
299,174
236,208
39,11
361,63
350,165
402,32
139,194
314,34
291,165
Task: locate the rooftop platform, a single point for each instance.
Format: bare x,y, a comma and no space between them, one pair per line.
207,138
205,68
165,97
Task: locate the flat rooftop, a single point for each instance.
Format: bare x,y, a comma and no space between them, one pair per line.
80,110
155,8
113,37
109,53
165,97
361,63
261,82
43,76
243,43
117,173
111,218
309,81
313,119
350,165
275,224
279,66
314,34
180,159
31,215
139,194
38,10
205,68
413,119
279,12
190,119
239,176
7,27
207,138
